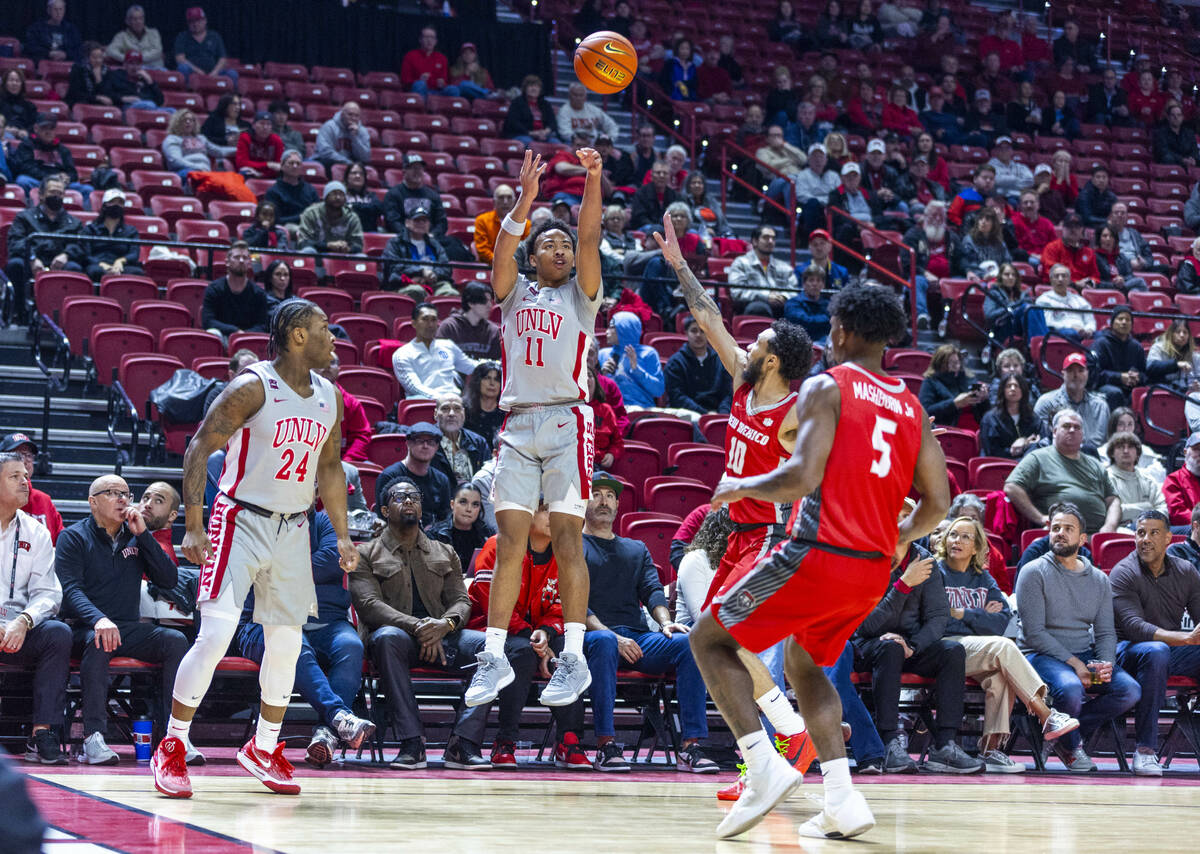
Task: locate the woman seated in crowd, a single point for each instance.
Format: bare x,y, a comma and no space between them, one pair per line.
1005,305
609,446
1024,114
186,150
979,619
530,118
471,78
1137,490
707,216
225,123
1010,429
818,96
1116,270
360,199
86,82
658,282
985,242
837,151
950,397
277,282
699,564
465,531
678,75
1187,279
939,172
15,106
482,401
1175,346
263,233
1124,420
1058,119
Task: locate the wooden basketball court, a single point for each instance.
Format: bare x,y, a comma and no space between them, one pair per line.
358,810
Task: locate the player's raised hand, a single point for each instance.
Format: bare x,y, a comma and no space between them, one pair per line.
532,169
348,554
672,254
728,491
196,546
590,159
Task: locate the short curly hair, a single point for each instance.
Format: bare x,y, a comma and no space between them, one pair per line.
549,225
872,312
794,348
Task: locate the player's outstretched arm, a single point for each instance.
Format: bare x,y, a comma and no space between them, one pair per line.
929,479
699,303
817,414
504,265
331,480
242,398
587,253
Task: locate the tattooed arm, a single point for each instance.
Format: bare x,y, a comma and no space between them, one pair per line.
239,401
702,306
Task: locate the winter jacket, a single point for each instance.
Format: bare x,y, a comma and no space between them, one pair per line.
22,245
87,252
518,121
1172,146
1094,205
1114,357
938,393
318,229
538,604
918,614
974,255
335,143
37,159
641,383
290,200
400,259
997,432
699,386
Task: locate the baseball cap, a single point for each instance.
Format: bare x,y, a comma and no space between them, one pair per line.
1072,220
921,158
331,187
1000,140
1042,167
45,120
262,114
470,45
604,138
821,233
419,209
15,440
817,146
603,478
133,57
851,167
876,145
111,194
414,160
195,13
1073,360
1193,440
982,94
425,428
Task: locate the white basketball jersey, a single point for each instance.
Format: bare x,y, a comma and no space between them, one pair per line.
272,461
545,333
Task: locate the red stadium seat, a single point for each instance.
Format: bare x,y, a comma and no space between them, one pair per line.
140,374
1109,548
988,472
127,289
109,137
958,444
51,288
383,449
187,344
211,368
661,431
188,292
173,208
388,306
381,384
638,462
353,276
669,494
331,300
232,214
702,462
157,315
150,183
361,327
135,159
257,342
907,361
202,231
109,343
656,534
713,427
80,313
413,411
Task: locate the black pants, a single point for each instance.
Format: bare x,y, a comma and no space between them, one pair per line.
48,648
143,641
944,661
395,652
96,272
18,273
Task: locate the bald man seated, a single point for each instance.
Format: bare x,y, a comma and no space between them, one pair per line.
100,562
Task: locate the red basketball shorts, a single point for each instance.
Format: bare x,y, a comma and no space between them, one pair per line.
816,597
746,547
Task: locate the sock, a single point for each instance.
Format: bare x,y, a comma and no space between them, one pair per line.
494,639
266,737
757,751
573,638
778,709
179,729
835,774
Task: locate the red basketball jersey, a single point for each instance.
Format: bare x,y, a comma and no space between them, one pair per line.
870,467
752,447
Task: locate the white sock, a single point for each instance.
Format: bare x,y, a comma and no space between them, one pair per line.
494,639
757,751
778,709
835,774
266,737
573,638
179,729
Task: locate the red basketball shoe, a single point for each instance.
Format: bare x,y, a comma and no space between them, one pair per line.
170,769
272,770
797,749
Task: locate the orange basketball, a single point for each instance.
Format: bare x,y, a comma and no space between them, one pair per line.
605,62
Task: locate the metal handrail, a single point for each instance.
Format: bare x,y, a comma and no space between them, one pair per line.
729,171
910,282
1173,392
43,465
682,129
117,397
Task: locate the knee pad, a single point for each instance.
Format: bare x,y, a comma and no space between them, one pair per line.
277,675
198,665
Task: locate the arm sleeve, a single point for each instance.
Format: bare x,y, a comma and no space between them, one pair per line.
1031,605
368,601
650,589
463,363
941,409
984,623
159,568
1103,630
935,613
1127,607
69,557
406,373
44,591
326,562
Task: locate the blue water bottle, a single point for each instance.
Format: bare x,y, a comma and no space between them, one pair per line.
143,730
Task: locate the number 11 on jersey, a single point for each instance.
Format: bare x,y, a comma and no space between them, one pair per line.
530,347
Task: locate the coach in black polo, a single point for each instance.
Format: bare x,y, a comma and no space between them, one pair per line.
100,562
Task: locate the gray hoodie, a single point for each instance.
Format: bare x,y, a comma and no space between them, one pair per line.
335,144
1063,613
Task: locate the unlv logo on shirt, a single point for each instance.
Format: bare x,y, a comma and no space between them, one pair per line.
305,431
538,320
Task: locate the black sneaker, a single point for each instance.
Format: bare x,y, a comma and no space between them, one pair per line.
692,758
43,747
462,755
951,759
870,768
609,757
897,760
411,756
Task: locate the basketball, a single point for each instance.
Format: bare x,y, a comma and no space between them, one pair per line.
605,62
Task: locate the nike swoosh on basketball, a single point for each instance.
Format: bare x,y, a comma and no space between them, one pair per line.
609,47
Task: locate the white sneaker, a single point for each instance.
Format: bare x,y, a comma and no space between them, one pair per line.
1146,764
999,762
1058,724
851,818
96,752
570,679
493,674
764,791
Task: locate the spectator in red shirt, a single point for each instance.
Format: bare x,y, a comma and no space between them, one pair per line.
609,446
425,70
1003,43
39,506
898,116
356,429
1146,102
1071,251
1035,49
713,82
995,80
1033,230
1181,489
863,113
259,149
939,172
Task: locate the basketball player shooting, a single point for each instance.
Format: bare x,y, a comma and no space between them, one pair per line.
280,425
761,435
862,442
548,439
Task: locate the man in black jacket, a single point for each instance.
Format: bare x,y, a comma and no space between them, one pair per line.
100,562
651,200
29,255
1120,358
461,452
42,155
1096,198
904,635
101,257
290,193
1107,102
233,303
401,199
695,377
1174,143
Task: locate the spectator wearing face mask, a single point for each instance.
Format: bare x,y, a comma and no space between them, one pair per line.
99,258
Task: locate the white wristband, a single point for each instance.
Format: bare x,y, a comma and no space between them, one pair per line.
512,226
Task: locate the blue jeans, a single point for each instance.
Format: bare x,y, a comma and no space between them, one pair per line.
660,654
1150,663
471,90
864,738
921,292
1067,694
188,70
423,88
328,690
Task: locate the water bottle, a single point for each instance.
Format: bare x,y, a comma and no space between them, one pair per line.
143,729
